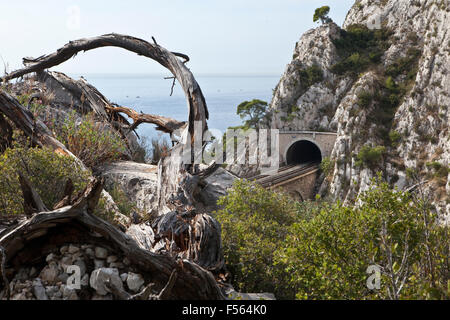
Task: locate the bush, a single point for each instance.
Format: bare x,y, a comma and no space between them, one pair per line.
159,149
370,157
327,255
364,99
359,47
47,171
311,75
92,142
327,166
254,225
318,250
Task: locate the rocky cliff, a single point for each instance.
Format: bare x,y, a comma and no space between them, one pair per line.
382,83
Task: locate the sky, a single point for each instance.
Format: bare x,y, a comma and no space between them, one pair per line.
254,37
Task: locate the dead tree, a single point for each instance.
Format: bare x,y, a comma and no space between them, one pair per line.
23,243
197,235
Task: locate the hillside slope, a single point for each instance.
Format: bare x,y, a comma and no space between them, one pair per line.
382,82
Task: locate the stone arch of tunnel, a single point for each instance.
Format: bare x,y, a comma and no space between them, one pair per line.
302,152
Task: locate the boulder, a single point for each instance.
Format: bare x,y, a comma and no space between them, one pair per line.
100,276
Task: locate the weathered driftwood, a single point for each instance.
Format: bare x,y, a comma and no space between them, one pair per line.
194,236
164,124
24,243
196,101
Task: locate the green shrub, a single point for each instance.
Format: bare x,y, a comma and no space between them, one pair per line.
395,137
311,75
47,171
318,250
327,255
327,166
440,170
254,224
364,99
90,141
370,157
359,48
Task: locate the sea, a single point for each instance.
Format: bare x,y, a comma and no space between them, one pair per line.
151,94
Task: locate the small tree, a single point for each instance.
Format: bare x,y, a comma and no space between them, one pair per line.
322,14
254,112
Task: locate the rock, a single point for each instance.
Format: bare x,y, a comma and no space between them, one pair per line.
69,294
143,234
138,180
22,274
124,276
39,290
63,249
99,264
85,280
73,249
89,252
216,186
65,262
134,281
117,265
102,297
82,265
51,257
126,261
49,274
63,277
33,272
111,259
101,253
100,276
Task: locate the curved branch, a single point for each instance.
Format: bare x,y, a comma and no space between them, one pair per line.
164,124
196,102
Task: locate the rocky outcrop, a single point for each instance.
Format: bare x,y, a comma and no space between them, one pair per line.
399,101
137,180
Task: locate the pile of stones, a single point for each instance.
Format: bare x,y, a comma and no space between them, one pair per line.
77,272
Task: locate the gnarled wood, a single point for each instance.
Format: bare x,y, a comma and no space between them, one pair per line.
190,282
196,101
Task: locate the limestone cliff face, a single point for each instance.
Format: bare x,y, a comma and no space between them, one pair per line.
383,89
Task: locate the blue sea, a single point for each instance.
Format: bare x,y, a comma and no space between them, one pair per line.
151,94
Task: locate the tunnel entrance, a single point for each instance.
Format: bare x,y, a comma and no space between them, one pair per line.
303,151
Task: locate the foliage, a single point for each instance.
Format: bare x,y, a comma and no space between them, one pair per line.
370,156
328,255
47,171
254,112
311,75
327,165
322,14
359,48
364,99
159,149
440,169
92,142
318,250
126,207
254,223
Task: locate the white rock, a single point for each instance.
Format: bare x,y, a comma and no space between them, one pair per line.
39,290
49,274
73,249
99,263
124,276
101,253
134,281
100,276
111,259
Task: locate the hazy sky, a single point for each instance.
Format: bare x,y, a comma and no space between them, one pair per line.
230,36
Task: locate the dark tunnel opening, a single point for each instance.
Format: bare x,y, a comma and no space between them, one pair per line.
303,152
